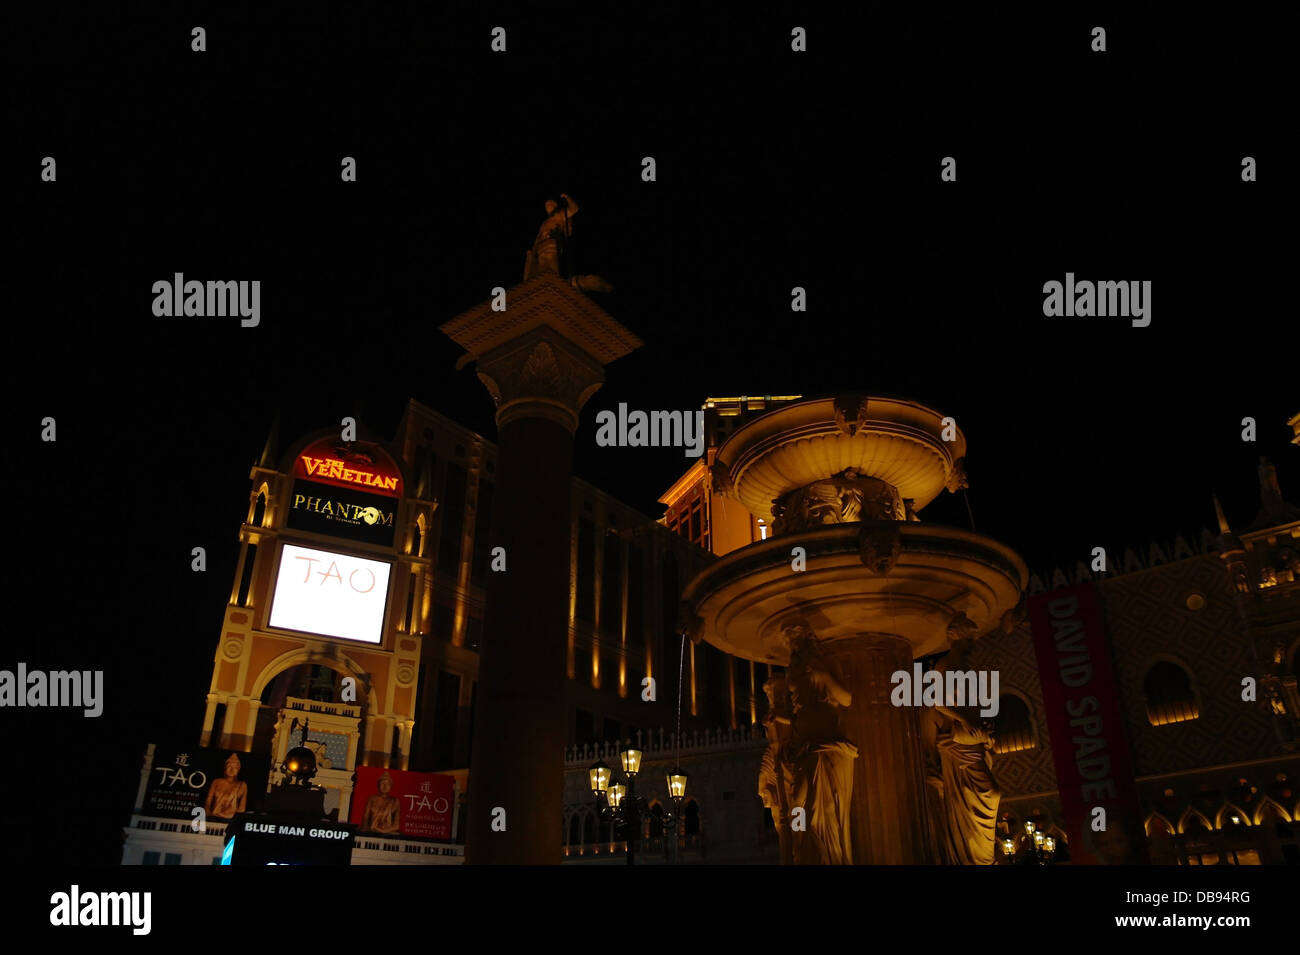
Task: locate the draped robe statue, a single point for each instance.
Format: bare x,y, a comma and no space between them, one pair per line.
820,756
963,795
774,773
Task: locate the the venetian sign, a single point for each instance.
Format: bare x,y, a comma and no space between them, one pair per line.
358,465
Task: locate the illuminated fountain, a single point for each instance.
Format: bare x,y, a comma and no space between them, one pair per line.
850,588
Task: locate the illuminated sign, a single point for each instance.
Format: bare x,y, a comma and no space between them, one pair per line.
399,802
323,509
282,839
334,595
358,465
220,782
333,468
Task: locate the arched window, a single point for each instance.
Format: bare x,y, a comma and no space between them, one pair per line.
1158,826
218,722
1232,818
323,684
1015,727
246,580
1270,812
656,821
417,537
1169,694
259,509
691,818
588,829
575,830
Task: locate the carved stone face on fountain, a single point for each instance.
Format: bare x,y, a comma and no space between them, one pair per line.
879,547
778,694
958,658
840,499
799,637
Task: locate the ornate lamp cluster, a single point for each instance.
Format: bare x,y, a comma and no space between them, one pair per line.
1033,847
619,803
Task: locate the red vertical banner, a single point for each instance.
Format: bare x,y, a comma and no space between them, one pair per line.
1094,769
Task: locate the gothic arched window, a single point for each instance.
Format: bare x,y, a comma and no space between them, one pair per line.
1015,727
1169,694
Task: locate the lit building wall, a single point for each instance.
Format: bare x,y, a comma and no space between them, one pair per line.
1181,643
725,690
626,575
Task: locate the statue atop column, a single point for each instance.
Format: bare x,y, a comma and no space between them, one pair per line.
820,755
963,794
774,774
551,238
547,252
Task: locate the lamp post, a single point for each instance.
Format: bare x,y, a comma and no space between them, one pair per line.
1032,847
618,803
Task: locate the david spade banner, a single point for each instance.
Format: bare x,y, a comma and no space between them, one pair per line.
402,803
1089,746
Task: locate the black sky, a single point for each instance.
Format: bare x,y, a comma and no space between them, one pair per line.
774,170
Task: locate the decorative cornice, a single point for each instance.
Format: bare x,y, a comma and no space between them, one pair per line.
545,300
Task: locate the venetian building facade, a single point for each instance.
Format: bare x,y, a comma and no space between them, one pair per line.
414,702
1204,639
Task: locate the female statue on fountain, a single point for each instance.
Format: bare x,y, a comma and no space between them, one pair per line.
820,756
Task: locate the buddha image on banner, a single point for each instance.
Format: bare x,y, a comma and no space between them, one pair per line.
399,803
221,782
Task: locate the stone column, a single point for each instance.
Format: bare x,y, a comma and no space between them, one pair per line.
888,810
540,383
540,359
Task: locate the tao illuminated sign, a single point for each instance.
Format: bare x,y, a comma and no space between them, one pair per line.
331,594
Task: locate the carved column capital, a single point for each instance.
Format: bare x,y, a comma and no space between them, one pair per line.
540,375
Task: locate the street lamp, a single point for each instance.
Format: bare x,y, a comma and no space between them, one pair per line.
677,787
619,803
631,759
1033,847
599,774
616,794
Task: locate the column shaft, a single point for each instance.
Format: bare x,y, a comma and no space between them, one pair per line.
518,750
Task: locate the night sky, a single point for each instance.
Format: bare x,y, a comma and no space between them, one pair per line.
774,169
